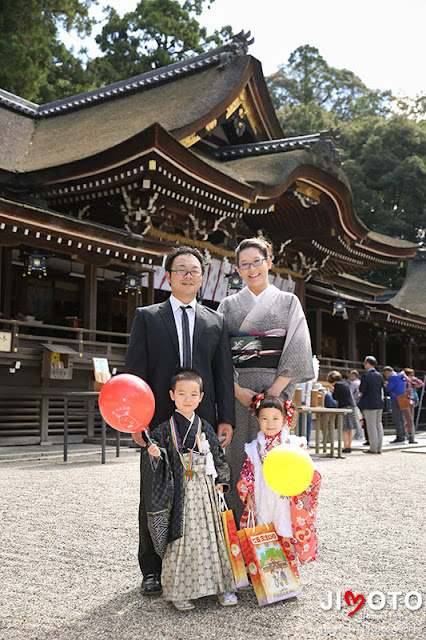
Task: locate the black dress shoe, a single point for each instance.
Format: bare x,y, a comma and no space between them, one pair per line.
151,585
366,444
347,450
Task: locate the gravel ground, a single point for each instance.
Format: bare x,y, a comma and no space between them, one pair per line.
69,570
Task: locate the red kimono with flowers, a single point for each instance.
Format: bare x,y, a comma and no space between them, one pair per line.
303,545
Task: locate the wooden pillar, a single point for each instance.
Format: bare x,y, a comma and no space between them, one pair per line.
133,302
300,291
90,298
151,290
416,356
7,282
44,420
409,356
1,280
351,340
318,333
382,352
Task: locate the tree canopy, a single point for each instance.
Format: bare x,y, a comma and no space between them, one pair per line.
156,34
307,80
384,154
35,64
385,161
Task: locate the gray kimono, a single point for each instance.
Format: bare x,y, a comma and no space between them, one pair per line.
275,310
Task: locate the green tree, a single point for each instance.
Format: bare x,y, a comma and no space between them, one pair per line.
307,84
156,34
33,61
385,161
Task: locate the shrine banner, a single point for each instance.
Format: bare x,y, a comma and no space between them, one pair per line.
271,573
233,545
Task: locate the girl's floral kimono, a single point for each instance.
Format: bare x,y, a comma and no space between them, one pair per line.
293,517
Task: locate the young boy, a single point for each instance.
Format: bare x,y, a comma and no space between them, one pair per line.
188,462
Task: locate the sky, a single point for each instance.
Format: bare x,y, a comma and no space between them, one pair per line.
381,41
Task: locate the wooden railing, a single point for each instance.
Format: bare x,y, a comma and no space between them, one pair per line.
28,338
32,412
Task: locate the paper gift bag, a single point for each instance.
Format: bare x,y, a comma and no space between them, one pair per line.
271,573
233,545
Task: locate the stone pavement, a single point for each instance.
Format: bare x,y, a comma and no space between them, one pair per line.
68,567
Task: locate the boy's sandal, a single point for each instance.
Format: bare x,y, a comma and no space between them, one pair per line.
227,599
183,605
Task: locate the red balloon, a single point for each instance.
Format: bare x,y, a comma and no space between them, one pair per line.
127,403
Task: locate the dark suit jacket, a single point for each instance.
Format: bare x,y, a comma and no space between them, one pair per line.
371,388
153,354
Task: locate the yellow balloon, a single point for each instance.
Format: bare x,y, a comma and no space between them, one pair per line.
288,470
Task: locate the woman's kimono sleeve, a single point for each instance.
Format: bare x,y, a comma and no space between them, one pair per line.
296,359
303,515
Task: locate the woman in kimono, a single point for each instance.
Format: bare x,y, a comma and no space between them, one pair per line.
271,347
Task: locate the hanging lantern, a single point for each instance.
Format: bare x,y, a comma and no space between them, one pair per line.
363,312
234,281
381,334
35,264
130,283
339,307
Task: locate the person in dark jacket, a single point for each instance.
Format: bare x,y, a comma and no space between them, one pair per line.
343,395
371,403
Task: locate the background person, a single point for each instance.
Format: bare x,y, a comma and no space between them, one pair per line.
412,383
343,396
354,382
371,404
395,386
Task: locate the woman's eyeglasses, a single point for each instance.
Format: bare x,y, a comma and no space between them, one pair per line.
256,263
195,273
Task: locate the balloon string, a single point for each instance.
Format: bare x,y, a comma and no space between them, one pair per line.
148,437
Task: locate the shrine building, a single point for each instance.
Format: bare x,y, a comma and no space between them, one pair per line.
95,189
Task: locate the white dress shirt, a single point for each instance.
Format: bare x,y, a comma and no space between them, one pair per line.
177,314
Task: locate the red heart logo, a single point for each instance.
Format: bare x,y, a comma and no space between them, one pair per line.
351,599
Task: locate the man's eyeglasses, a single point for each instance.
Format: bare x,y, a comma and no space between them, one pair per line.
195,273
256,263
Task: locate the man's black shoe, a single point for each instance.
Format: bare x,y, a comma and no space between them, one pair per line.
366,444
396,441
151,585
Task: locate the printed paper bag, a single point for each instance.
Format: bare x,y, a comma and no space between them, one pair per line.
233,545
272,576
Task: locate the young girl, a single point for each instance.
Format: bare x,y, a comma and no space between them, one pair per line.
196,561
293,518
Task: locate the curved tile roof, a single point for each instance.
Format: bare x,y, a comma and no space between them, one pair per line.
412,295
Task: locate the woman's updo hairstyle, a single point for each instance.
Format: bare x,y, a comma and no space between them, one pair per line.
263,245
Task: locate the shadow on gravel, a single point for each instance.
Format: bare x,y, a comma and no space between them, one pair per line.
132,616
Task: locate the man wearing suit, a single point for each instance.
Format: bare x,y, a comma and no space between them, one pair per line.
371,404
180,333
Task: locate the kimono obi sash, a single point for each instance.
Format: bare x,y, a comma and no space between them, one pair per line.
256,348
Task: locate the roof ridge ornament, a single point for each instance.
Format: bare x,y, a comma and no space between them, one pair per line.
236,47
